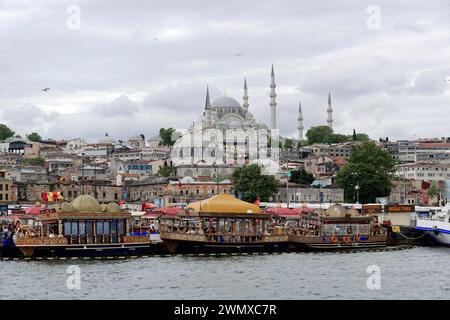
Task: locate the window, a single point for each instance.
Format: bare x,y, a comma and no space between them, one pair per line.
74,228
67,229
6,187
116,196
6,197
1,187
99,227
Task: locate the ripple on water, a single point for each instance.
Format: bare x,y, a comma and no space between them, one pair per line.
407,274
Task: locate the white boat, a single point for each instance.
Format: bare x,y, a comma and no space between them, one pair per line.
437,226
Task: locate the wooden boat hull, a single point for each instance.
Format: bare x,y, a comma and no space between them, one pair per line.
314,243
59,247
107,250
10,252
198,244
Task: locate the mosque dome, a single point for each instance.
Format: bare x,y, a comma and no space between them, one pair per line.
113,208
336,211
86,203
67,207
107,139
225,102
353,212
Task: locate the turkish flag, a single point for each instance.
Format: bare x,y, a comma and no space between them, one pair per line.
44,196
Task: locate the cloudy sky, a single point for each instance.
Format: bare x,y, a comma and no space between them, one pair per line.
135,66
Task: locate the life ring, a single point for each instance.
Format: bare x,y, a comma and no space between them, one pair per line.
346,239
333,239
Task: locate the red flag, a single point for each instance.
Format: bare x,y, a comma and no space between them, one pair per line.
55,196
257,201
121,202
179,183
44,196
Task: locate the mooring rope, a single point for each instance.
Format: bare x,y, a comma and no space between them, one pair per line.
409,238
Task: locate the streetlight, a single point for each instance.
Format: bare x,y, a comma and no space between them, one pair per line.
357,193
82,173
356,186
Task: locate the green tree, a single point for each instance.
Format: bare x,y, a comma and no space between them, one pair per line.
369,167
33,161
354,137
300,176
34,136
288,143
166,136
251,183
166,171
319,134
434,191
5,132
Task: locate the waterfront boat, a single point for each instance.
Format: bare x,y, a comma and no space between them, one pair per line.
437,226
84,228
336,229
222,224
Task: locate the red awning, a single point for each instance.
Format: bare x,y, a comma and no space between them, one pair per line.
282,211
303,210
33,210
170,211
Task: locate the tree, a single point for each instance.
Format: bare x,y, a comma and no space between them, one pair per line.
319,134
288,143
5,132
434,191
300,176
33,161
35,137
249,182
369,167
166,137
354,137
166,171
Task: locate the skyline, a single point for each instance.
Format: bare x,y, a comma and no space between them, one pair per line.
126,69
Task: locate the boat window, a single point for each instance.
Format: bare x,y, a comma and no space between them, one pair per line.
67,229
120,227
74,228
99,227
89,228
106,227
82,227
113,227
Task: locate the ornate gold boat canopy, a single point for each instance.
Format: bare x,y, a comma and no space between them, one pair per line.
85,207
224,205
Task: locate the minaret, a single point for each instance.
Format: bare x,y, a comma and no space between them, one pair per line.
207,112
300,122
330,112
245,97
273,102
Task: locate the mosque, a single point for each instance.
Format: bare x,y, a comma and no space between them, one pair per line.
226,114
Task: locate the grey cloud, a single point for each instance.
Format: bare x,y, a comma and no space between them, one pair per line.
316,47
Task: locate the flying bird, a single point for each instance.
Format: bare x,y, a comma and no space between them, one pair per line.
45,89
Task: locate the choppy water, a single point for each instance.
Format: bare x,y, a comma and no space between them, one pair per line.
407,274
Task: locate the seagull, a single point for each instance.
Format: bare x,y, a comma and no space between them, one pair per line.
238,54
46,89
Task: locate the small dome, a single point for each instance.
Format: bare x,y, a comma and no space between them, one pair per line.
113,208
353,212
187,180
336,210
107,140
225,102
67,207
86,203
